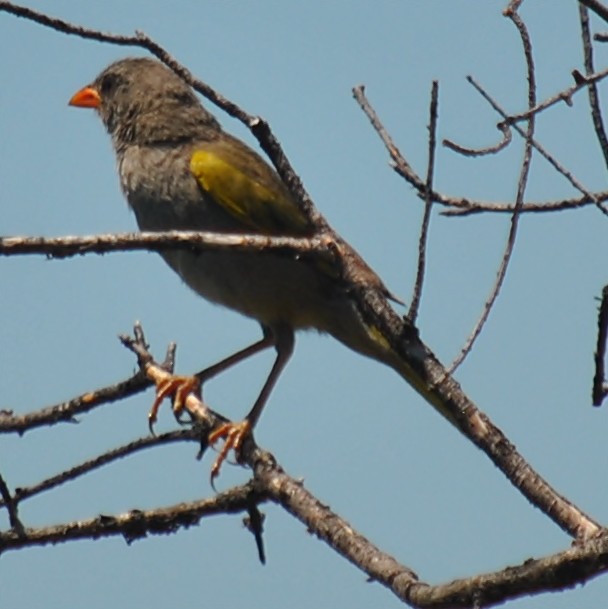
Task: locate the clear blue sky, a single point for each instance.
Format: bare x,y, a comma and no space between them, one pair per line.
362,440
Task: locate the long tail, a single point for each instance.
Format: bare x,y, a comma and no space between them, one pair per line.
395,342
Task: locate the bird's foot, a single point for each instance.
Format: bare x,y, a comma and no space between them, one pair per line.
177,386
233,434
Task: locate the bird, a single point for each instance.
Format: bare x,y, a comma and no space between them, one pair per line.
179,170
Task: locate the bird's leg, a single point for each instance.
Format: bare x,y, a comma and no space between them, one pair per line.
235,433
180,386
208,373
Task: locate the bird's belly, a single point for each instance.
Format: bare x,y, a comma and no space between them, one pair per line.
267,287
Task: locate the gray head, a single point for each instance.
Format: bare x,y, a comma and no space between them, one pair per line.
141,102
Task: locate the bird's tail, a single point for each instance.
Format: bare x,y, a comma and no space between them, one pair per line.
394,341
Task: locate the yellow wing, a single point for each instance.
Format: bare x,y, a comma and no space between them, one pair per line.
241,182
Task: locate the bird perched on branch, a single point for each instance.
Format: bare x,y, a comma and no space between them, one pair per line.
180,171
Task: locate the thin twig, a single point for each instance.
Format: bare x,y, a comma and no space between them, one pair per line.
66,412
454,405
115,454
465,207
594,102
519,199
562,96
473,152
254,522
11,504
412,314
541,149
400,165
600,388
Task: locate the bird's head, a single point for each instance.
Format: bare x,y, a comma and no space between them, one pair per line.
142,102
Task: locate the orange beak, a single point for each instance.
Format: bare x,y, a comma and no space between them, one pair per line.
88,97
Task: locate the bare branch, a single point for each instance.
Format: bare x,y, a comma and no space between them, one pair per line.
64,247
428,204
466,207
581,82
460,149
400,165
136,524
600,387
597,7
428,376
73,473
594,102
532,577
67,411
519,200
541,149
11,506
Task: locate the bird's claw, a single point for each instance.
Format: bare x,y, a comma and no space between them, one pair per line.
233,434
177,386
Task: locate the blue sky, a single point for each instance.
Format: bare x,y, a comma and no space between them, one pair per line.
394,469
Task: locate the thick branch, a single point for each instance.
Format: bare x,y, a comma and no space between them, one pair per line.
64,247
551,573
597,7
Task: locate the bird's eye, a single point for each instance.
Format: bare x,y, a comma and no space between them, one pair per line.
108,84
